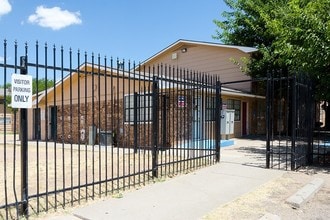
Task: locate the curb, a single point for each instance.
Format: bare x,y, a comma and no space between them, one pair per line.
269,216
305,193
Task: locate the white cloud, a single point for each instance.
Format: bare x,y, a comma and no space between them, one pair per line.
2,59
5,7
54,18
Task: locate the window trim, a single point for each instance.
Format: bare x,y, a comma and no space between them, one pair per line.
210,107
129,110
235,103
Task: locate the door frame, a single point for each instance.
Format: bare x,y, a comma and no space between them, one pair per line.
36,123
52,123
245,117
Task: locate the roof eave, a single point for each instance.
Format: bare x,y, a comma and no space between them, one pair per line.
244,49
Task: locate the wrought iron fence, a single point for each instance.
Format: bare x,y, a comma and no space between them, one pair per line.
292,138
321,147
98,126
290,121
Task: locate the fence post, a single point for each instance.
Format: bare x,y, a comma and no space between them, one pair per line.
24,147
136,100
294,122
218,107
155,127
311,122
164,119
268,118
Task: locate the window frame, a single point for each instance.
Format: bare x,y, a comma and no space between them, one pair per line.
144,108
235,104
210,108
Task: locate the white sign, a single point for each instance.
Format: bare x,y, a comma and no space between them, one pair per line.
21,91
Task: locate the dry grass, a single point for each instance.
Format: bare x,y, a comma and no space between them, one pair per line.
101,170
271,197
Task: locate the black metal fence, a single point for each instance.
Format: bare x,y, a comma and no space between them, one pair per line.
293,137
98,126
291,119
321,147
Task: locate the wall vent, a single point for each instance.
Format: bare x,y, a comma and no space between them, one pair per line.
174,56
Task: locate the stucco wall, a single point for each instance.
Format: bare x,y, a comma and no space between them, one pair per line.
227,63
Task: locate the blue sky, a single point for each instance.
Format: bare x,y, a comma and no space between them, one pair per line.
133,30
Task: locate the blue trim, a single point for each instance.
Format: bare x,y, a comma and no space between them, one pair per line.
205,144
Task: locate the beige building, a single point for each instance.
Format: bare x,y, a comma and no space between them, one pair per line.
229,63
101,97
88,97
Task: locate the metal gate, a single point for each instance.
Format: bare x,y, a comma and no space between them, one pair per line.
291,140
290,121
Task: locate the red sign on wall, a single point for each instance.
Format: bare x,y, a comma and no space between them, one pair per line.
181,101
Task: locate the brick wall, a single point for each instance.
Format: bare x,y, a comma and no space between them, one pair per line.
110,117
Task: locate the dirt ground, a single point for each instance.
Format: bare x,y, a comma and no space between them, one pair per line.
100,171
271,198
268,198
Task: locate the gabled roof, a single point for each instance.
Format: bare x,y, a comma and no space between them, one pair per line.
81,69
165,81
178,44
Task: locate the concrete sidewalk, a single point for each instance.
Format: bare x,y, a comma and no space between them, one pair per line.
188,196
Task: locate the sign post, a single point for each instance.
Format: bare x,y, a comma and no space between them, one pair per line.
22,98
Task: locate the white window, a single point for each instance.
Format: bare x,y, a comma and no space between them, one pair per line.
138,107
235,104
210,108
5,120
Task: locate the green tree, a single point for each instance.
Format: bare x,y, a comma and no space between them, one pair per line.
290,34
6,86
244,25
41,85
7,99
303,42
302,30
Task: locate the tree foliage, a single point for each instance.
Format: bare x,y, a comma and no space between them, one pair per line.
41,84
290,35
6,86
